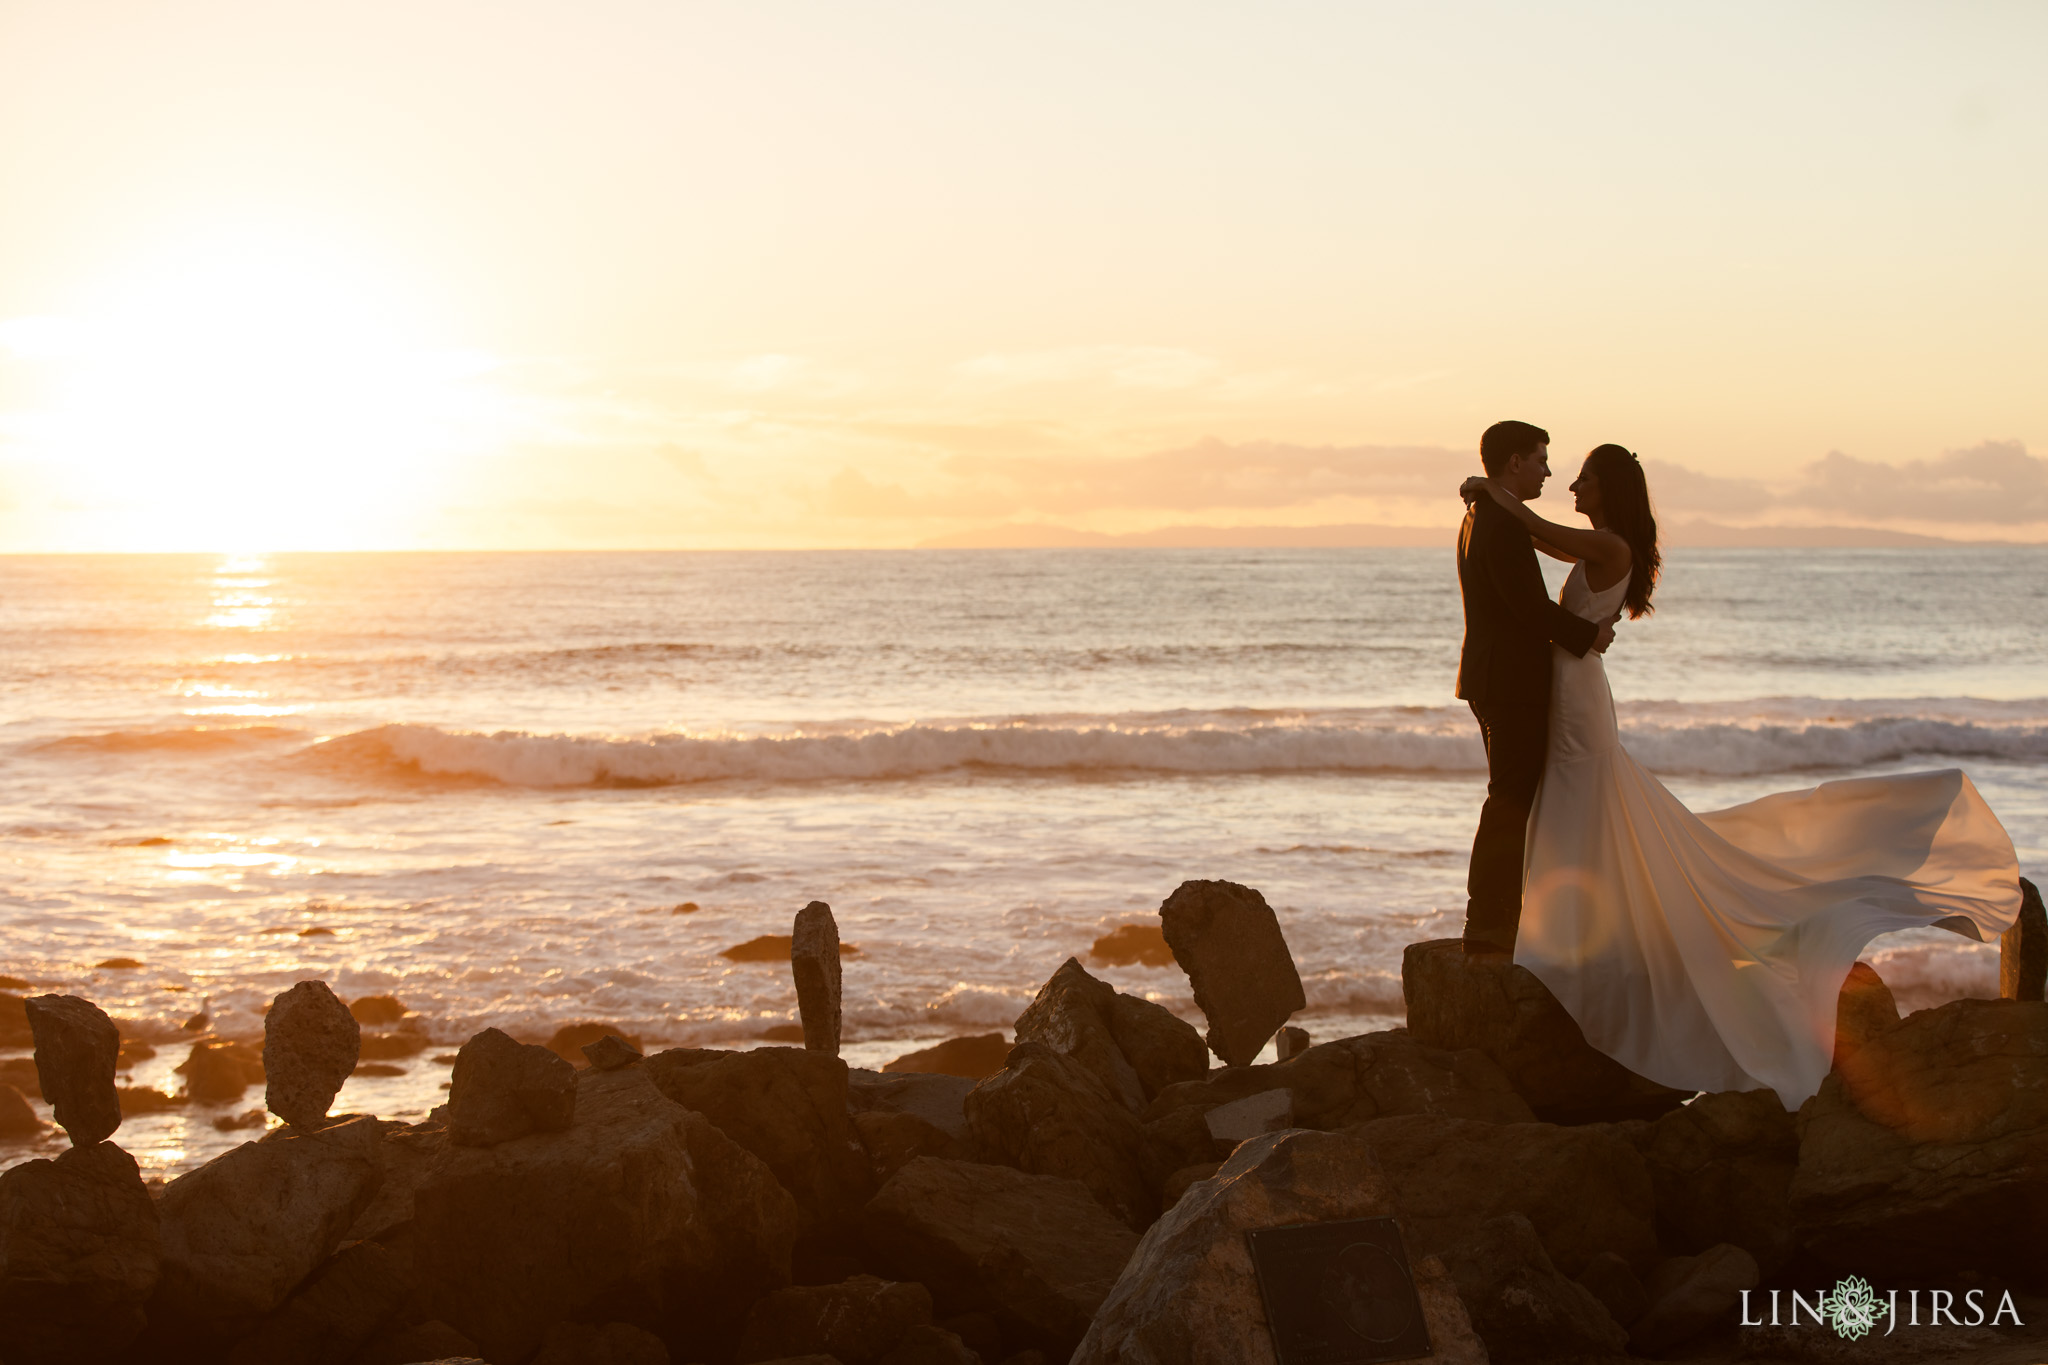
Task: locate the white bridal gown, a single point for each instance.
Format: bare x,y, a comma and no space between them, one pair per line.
1706,951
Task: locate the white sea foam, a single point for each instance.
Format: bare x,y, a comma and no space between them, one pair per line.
1707,740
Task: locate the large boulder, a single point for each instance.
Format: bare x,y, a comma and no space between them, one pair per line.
77,1047
79,1257
641,1209
1584,1189
611,1343
1035,1252
338,1309
1189,1293
1162,1047
1229,942
502,1089
1050,1115
1721,1169
1519,1303
857,1321
2023,949
310,1045
971,1054
404,1154
1340,1083
1458,1000
789,1107
1934,1155
241,1231
1071,1016
814,962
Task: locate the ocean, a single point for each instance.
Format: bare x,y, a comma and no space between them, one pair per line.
525,790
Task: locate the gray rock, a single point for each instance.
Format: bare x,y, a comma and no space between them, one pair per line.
241,1231
2023,949
1520,1305
1291,1042
79,1257
1266,1112
939,1100
814,962
1050,1115
76,1049
1456,1000
857,1321
610,1052
1229,942
1690,1294
1035,1252
1189,1294
310,1045
503,1090
641,1210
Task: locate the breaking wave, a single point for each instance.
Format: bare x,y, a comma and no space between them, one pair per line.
1707,740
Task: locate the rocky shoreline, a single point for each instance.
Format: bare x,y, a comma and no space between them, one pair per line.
1080,1195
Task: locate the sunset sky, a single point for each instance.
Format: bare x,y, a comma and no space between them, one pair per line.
469,274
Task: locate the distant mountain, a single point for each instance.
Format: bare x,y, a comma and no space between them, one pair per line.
1685,534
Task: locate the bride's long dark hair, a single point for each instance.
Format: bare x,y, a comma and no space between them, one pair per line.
1625,502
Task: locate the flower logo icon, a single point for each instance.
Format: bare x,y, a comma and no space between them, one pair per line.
1853,1307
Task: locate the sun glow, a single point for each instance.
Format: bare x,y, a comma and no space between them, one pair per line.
250,396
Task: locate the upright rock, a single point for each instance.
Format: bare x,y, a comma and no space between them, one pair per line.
1460,1001
2023,949
1290,1043
1229,942
310,1045
1035,1252
503,1090
640,1211
814,962
1189,1293
1071,1016
79,1257
76,1049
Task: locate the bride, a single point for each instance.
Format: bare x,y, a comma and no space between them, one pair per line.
1706,951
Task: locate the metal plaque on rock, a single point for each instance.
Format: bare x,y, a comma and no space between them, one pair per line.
1339,1293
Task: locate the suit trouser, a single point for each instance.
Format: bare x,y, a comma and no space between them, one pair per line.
1516,737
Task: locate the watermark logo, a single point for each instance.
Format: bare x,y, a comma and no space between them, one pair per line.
1853,1309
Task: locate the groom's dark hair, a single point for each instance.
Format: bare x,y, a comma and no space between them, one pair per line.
1503,441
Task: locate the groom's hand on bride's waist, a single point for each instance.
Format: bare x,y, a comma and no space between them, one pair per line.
1605,635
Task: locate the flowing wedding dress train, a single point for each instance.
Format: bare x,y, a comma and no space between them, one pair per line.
1706,951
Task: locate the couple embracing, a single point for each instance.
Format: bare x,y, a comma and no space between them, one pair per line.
1704,951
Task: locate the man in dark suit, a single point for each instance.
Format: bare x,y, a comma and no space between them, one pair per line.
1504,673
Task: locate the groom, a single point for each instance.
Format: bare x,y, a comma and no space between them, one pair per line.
1504,673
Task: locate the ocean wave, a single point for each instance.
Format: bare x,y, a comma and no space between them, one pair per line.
1393,740
173,739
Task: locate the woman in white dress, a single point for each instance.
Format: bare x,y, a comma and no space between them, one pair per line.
1707,951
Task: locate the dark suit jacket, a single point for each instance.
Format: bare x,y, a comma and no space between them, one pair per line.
1510,621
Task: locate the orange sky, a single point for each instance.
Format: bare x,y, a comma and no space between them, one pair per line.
645,274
